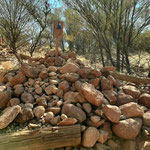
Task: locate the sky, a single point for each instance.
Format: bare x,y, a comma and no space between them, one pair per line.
56,3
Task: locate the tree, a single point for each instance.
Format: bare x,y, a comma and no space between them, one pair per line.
115,25
39,11
14,19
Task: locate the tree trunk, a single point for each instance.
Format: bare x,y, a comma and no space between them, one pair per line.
118,59
42,139
127,62
102,57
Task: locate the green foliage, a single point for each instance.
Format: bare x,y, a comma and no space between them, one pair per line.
142,43
115,25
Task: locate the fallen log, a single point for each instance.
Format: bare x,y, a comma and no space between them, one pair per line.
129,78
42,139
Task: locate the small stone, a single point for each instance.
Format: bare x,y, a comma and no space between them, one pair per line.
59,93
80,98
39,111
72,55
33,126
146,119
67,122
59,103
87,107
49,116
63,116
95,119
25,115
59,61
52,68
55,110
79,105
99,146
144,145
14,101
113,144
27,98
55,120
110,95
43,74
90,137
103,136
53,82
95,82
28,105
99,112
2,88
129,145
145,100
51,89
71,77
64,85
38,90
71,97
51,74
31,81
83,128
97,125
107,127
106,84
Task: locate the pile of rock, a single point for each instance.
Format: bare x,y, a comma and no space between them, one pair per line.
62,91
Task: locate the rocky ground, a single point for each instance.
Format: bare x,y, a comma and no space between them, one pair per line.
62,91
